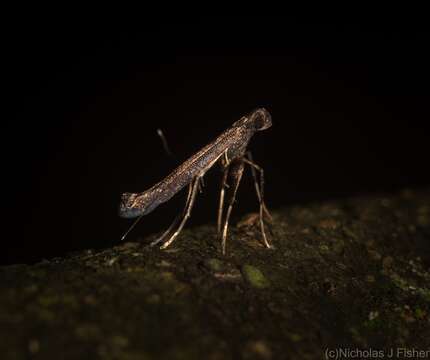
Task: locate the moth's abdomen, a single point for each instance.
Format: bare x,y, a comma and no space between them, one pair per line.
133,205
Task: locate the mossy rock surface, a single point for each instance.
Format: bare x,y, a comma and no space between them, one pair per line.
349,273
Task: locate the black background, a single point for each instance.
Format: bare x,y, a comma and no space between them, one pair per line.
349,104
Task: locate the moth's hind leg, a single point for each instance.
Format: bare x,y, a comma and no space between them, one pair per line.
177,218
187,211
167,232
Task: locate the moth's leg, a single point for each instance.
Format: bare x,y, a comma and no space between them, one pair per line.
259,185
201,185
225,164
167,232
221,198
259,189
195,185
175,222
235,173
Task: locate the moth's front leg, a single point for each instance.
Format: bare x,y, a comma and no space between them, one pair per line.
259,189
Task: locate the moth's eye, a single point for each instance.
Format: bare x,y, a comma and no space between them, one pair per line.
261,119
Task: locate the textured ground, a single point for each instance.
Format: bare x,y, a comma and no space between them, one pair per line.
351,273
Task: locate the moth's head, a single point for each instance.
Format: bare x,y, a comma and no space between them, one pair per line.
133,205
257,120
260,119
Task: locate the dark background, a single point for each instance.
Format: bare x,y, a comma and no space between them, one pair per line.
349,104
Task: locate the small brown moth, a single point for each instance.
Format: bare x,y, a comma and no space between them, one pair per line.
229,149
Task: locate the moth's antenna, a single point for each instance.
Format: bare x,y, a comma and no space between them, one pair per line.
167,149
169,153
164,141
131,227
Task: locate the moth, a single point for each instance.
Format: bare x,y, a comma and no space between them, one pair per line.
230,150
